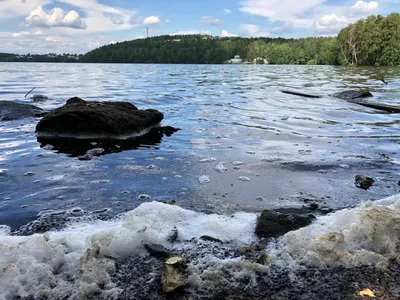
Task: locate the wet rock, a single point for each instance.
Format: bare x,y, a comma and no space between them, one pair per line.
174,235
274,224
39,98
157,250
211,239
363,182
75,100
103,119
352,94
172,279
143,197
14,111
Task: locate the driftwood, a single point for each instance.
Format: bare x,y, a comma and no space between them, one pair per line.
354,97
300,94
29,92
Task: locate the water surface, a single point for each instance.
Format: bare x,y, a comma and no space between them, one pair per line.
257,146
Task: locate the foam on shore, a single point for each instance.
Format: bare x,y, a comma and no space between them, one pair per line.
78,261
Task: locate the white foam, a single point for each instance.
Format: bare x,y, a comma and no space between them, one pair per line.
75,262
365,235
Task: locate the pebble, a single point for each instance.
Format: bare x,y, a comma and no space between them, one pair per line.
346,167
206,160
48,147
29,174
143,197
260,198
24,206
323,171
151,167
244,178
203,179
250,152
237,163
95,151
220,167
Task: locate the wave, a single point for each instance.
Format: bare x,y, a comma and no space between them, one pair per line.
80,260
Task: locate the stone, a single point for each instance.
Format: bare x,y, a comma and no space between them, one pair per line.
273,224
38,98
363,182
172,279
352,94
98,119
210,239
10,111
157,250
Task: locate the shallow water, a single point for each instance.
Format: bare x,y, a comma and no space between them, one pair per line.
292,149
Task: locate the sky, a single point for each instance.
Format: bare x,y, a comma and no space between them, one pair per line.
78,26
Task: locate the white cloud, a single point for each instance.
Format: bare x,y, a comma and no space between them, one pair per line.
19,8
207,20
26,33
227,11
103,18
167,21
252,30
362,7
191,32
286,28
57,18
225,33
153,20
330,23
282,10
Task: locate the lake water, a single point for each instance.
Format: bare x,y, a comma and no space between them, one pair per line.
243,145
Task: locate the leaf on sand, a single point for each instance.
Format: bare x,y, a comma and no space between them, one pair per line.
142,230
174,260
367,292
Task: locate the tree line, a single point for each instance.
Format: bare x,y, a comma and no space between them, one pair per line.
371,41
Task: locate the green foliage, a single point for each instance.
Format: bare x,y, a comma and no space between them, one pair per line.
371,41
51,57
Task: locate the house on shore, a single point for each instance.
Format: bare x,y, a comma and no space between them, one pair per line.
235,60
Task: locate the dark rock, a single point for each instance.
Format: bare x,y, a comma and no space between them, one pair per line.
273,224
14,111
210,239
39,98
104,119
352,94
363,182
75,100
325,210
157,250
313,206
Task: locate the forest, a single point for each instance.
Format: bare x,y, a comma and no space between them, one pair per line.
374,41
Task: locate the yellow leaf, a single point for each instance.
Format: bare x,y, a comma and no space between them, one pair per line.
174,260
367,292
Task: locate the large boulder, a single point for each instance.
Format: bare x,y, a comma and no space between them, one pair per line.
273,224
10,110
352,95
97,119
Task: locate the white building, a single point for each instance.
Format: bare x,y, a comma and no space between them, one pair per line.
235,60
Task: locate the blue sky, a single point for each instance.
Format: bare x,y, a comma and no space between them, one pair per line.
77,26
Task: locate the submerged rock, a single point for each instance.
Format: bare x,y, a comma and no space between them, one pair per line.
352,94
273,224
363,182
38,98
104,119
14,111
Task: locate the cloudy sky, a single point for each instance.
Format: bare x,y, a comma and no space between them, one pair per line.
77,26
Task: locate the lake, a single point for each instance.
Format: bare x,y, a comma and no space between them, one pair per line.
243,145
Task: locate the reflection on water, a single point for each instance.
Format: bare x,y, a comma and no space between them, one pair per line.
229,113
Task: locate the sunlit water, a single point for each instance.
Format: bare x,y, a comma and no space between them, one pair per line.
255,146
